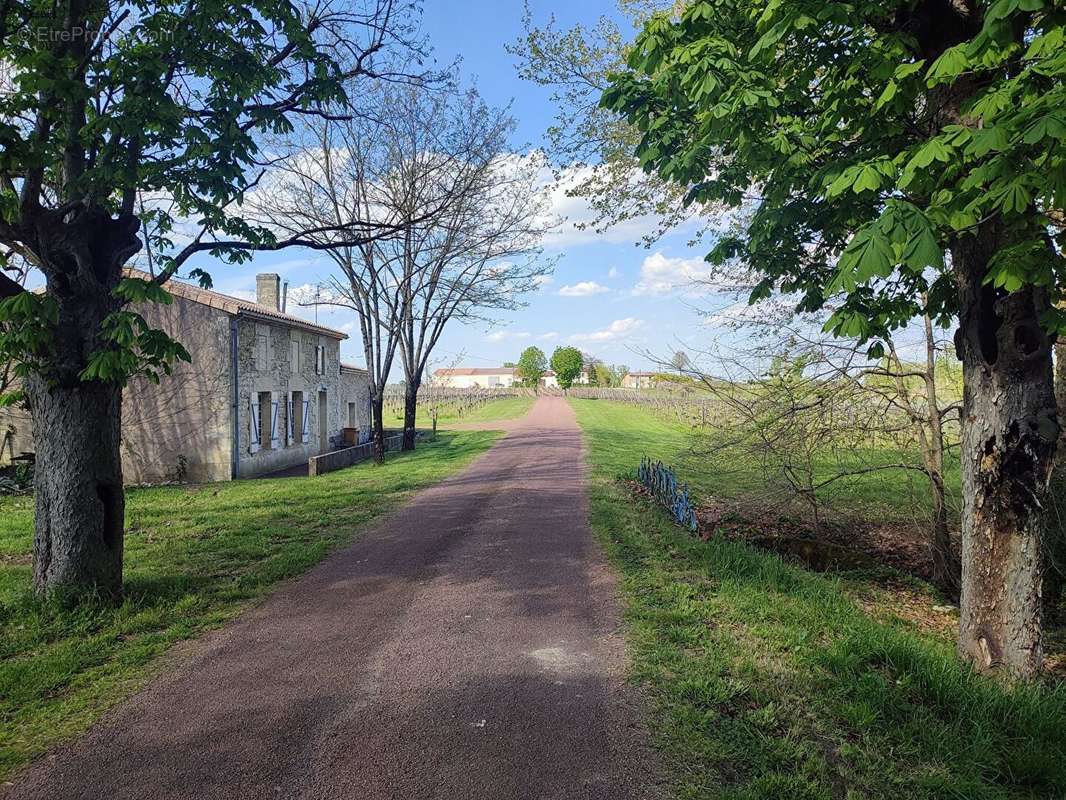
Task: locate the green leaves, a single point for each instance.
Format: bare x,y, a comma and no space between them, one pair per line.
869,254
133,347
1012,197
950,65
902,236
1049,126
1026,263
27,322
876,153
860,178
138,290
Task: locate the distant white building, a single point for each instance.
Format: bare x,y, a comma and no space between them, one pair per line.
486,378
475,377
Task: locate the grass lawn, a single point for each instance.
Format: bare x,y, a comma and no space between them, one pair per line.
195,557
504,408
886,496
769,681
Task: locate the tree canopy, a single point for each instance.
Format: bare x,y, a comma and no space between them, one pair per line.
142,125
566,364
904,159
871,136
532,365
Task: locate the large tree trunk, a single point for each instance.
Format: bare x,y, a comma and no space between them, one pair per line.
1009,436
1055,542
410,413
80,505
377,403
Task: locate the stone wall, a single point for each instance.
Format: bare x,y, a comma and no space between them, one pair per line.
182,428
355,399
281,360
16,433
346,457
178,429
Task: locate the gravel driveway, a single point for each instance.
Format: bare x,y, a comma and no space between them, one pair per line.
466,647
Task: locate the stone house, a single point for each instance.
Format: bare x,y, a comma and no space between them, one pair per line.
639,380
264,391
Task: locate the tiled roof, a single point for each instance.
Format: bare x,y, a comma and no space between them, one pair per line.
236,306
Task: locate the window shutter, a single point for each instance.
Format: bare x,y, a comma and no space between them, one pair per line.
305,434
253,444
274,410
290,435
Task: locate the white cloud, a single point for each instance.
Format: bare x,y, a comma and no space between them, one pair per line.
661,274
618,329
577,215
613,273
547,337
583,289
543,280
502,336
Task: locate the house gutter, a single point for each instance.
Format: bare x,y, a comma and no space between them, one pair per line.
235,457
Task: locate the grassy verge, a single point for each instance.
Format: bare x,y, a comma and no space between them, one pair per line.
195,557
894,496
502,409
768,681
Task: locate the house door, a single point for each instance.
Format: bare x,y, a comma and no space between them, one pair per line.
323,427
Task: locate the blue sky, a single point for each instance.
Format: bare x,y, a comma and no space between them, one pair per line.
608,296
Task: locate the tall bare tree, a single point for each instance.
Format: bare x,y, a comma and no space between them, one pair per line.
483,250
434,163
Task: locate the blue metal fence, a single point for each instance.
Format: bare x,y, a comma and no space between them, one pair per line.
661,481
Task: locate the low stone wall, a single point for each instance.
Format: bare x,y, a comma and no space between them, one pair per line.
339,459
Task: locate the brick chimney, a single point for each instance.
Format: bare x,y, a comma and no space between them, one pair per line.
268,290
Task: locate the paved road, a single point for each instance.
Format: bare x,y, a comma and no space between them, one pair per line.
465,648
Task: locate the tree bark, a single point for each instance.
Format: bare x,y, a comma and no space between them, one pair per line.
410,413
1009,436
80,506
377,404
1055,543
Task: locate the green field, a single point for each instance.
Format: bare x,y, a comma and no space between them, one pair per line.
195,557
769,681
494,410
888,496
